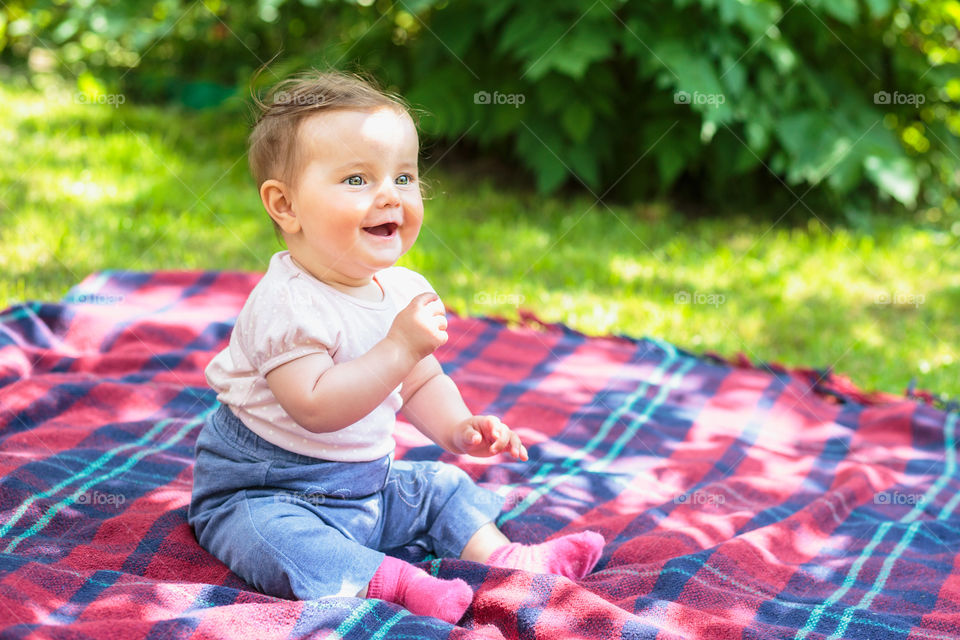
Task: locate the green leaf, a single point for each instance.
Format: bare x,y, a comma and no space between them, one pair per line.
880,8
846,11
583,162
540,152
895,176
524,27
571,53
550,173
814,145
694,76
455,27
577,119
493,11
743,160
634,39
552,92
847,173
758,136
418,6
734,75
755,17
505,119
448,96
783,55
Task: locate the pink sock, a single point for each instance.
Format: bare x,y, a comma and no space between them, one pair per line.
573,555
404,584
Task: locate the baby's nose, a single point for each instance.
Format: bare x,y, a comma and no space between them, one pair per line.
388,195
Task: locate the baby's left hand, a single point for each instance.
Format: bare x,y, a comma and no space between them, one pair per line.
487,436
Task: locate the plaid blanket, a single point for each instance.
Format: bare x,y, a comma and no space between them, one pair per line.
735,502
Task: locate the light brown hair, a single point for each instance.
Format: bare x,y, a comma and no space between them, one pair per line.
274,149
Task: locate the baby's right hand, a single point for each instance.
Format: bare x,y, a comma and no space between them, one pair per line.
421,327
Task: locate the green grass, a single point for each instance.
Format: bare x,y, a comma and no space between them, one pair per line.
90,187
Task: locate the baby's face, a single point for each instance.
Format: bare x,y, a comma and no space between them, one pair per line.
358,195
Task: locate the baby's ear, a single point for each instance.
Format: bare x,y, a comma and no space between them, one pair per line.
276,200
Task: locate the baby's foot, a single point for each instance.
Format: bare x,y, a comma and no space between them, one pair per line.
573,555
404,584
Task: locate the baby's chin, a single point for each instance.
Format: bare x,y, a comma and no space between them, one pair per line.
391,248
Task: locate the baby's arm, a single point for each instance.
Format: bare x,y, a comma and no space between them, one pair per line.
322,396
433,404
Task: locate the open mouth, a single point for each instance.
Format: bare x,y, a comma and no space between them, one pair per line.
385,230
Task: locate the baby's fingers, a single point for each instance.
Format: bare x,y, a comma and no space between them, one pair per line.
472,436
517,450
496,433
423,300
469,438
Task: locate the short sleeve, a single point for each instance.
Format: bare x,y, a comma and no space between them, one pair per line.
279,325
407,284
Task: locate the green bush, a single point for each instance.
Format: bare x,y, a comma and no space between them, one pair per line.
846,100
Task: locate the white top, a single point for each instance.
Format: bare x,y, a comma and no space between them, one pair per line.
291,314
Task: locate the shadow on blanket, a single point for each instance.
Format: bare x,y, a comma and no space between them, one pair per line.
735,502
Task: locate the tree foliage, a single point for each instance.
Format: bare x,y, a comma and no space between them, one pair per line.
855,99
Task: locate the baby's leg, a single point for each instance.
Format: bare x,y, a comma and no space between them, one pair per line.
573,555
281,547
441,501
284,549
435,506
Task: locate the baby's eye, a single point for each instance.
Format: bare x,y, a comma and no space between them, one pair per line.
404,179
354,181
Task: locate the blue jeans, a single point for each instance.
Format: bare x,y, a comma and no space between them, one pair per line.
299,527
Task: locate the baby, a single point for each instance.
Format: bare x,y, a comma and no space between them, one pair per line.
295,485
